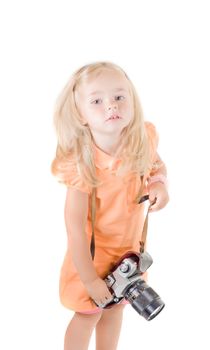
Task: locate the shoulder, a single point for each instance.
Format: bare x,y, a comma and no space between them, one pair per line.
75,181
150,127
152,133
69,175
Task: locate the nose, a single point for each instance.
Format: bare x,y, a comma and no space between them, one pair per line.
112,106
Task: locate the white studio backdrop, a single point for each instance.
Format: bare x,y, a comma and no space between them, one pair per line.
164,48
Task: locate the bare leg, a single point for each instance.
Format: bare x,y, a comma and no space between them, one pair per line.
108,328
79,331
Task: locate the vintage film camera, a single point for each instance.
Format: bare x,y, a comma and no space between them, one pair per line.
124,281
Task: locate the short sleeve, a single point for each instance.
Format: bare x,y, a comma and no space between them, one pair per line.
153,137
154,141
72,179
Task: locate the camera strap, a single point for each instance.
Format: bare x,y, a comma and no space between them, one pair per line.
140,199
93,214
144,231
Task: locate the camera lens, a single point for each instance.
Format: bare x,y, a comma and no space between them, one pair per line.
144,300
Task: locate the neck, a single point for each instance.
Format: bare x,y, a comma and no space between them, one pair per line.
107,144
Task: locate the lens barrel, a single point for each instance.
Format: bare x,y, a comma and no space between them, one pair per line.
144,300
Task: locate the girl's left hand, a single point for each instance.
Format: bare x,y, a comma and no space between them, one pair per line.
157,192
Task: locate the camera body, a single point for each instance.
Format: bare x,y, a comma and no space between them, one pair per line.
124,281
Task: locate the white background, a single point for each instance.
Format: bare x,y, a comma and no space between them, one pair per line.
164,48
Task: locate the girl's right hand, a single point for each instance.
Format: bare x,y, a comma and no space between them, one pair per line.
99,291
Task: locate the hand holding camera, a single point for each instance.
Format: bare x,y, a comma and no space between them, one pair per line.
98,291
124,281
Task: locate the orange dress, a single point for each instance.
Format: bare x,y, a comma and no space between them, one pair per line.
118,225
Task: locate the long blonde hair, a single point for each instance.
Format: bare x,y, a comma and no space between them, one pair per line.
75,141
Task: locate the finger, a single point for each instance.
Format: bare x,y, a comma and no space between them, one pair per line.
105,299
155,206
158,205
152,198
153,203
101,303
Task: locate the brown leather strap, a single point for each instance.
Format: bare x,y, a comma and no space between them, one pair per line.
140,200
144,231
93,214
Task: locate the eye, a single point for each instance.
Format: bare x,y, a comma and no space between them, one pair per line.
119,98
97,101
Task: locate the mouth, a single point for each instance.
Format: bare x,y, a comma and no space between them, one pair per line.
113,117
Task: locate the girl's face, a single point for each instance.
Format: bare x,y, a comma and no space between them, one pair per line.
104,101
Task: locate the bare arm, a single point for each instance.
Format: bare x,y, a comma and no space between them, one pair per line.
76,212
158,190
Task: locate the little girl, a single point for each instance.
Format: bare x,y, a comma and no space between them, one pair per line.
103,144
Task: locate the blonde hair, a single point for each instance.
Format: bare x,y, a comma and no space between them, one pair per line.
75,141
